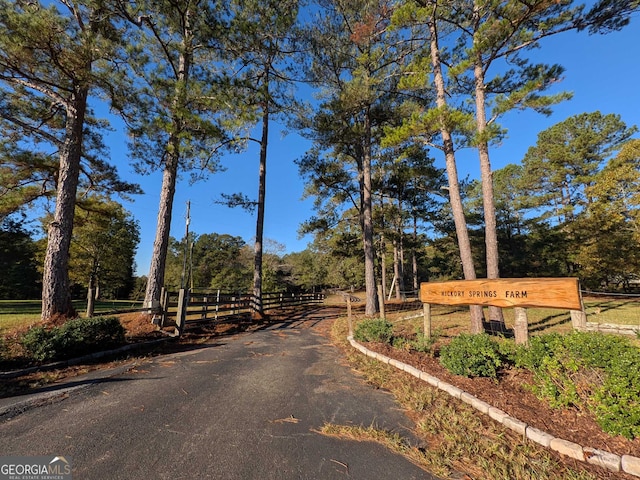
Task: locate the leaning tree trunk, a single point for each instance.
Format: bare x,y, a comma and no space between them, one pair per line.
155,279
403,288
56,296
398,254
464,244
398,265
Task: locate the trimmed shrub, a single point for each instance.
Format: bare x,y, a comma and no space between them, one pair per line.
588,370
472,356
597,350
75,338
87,335
374,330
40,343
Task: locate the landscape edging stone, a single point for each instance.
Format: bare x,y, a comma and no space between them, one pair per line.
610,461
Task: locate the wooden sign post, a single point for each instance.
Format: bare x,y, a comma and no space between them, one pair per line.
518,293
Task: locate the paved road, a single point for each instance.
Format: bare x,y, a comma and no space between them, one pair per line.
247,407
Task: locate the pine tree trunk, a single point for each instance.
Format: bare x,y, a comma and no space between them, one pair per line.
464,244
401,264
92,293
91,300
397,269
155,279
367,224
262,185
398,254
56,296
414,256
383,265
486,175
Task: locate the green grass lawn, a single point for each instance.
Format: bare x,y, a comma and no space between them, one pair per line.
22,313
618,311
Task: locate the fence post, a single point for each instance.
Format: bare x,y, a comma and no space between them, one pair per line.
164,306
578,320
521,326
204,307
183,298
579,317
426,307
217,304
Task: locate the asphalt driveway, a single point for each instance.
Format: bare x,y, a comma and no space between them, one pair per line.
247,407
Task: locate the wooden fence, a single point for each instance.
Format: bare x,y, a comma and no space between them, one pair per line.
183,308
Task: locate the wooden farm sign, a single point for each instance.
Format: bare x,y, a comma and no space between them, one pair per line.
505,292
517,293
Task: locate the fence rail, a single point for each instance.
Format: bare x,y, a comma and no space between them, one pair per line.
183,308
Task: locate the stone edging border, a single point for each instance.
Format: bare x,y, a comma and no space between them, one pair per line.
615,463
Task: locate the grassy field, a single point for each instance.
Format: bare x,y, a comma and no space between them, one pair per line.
23,313
620,311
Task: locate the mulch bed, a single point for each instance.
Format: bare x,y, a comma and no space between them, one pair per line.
510,394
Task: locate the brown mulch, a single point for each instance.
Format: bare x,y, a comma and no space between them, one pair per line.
510,394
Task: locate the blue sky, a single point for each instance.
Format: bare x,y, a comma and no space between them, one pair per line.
602,71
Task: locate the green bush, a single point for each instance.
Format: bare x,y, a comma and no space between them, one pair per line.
424,344
420,343
597,350
86,335
616,403
593,371
3,348
401,343
472,356
40,343
74,338
555,369
540,347
374,330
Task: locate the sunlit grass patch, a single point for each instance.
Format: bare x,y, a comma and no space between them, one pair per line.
20,314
